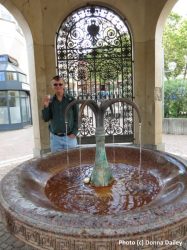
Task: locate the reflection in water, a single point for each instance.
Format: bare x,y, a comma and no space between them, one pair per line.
67,191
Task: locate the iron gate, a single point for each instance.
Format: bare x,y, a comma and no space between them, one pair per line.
94,56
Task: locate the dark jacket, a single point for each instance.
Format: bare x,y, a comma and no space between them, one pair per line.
55,115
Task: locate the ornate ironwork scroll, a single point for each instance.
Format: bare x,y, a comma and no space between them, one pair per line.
94,55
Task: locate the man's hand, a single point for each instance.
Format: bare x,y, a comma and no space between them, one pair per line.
46,101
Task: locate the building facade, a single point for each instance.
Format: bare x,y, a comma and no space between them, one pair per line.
12,40
15,107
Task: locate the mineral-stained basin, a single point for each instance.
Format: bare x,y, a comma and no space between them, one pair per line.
45,203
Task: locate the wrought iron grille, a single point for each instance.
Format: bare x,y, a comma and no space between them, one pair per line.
94,56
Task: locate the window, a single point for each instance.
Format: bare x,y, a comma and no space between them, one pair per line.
25,106
14,106
3,58
23,94
2,76
11,76
22,78
3,98
3,108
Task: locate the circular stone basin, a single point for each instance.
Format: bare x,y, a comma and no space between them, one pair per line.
131,189
45,203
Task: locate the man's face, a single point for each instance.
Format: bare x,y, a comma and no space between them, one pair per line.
58,87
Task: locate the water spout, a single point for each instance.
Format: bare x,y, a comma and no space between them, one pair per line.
102,173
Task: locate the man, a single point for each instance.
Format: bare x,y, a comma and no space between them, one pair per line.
54,113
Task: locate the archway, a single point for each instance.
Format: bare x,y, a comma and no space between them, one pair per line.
31,65
94,56
159,57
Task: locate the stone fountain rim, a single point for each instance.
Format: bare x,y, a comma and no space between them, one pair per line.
12,212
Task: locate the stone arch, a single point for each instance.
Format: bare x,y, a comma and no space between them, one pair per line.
148,87
159,67
31,64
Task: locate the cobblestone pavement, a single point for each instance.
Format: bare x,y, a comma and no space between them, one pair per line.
18,147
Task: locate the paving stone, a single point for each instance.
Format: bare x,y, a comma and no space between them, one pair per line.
9,248
4,237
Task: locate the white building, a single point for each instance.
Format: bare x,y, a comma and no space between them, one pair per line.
15,111
12,40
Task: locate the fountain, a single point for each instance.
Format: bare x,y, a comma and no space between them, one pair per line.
102,174
124,204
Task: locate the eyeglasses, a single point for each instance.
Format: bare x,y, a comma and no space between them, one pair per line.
57,84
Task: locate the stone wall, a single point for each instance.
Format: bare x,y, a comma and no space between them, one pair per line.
176,126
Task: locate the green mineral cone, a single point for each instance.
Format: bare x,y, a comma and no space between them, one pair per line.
102,173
